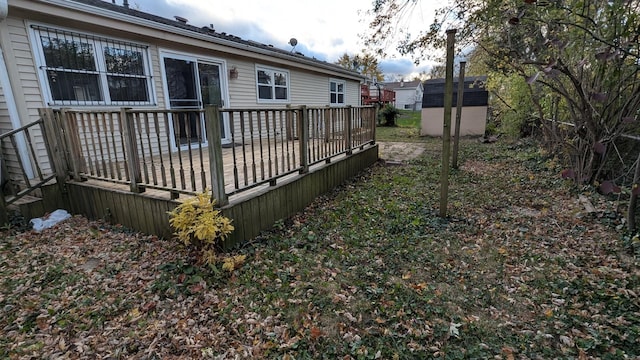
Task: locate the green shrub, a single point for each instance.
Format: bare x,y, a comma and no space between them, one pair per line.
388,115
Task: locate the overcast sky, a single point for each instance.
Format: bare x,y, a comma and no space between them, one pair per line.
324,29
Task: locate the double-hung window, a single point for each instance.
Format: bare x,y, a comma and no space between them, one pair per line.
89,70
336,92
273,84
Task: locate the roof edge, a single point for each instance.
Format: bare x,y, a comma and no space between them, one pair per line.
100,11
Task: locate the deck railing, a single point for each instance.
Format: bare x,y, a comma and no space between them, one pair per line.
180,151
23,169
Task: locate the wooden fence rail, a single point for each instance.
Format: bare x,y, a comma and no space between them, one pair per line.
28,174
180,151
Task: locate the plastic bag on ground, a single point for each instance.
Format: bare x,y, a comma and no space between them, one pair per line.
46,222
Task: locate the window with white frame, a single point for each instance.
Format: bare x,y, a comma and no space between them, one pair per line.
336,92
273,84
89,70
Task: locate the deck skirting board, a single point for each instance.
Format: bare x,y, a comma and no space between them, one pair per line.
250,214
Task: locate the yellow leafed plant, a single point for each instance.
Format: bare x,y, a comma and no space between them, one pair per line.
198,224
233,262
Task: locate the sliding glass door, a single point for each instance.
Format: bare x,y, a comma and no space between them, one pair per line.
192,84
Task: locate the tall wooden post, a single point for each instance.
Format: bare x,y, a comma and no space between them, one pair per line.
72,133
374,122
303,125
349,125
459,100
446,128
214,138
131,149
54,141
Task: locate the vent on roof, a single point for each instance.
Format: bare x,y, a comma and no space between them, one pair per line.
181,19
125,3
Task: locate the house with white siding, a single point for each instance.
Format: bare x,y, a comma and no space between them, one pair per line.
94,54
408,94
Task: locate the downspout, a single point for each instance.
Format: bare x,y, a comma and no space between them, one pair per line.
12,108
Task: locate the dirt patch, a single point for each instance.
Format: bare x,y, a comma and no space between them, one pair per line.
400,151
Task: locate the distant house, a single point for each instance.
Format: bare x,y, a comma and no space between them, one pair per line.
474,107
95,54
408,94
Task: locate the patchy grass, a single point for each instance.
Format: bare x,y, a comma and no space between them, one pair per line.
408,129
517,270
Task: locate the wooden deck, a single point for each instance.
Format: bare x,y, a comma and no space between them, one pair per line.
122,165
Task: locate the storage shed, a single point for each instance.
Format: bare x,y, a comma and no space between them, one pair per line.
474,107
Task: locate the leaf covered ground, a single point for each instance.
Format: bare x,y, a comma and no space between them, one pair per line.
519,270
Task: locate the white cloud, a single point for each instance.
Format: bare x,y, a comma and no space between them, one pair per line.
324,29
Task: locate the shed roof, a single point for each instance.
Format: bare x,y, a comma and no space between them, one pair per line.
475,93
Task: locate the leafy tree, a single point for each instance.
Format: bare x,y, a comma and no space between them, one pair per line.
437,71
366,64
579,60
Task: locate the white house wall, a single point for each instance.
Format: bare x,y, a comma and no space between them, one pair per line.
352,96
310,89
411,96
242,91
11,162
405,97
22,70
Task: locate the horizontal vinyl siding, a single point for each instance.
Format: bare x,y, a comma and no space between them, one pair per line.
352,96
23,58
309,89
242,91
30,90
305,88
156,80
8,153
405,97
313,90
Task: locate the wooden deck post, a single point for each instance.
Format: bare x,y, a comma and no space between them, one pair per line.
213,119
327,123
289,124
70,128
54,142
131,149
303,126
373,122
349,129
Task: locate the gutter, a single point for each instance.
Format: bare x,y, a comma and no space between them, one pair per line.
192,34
